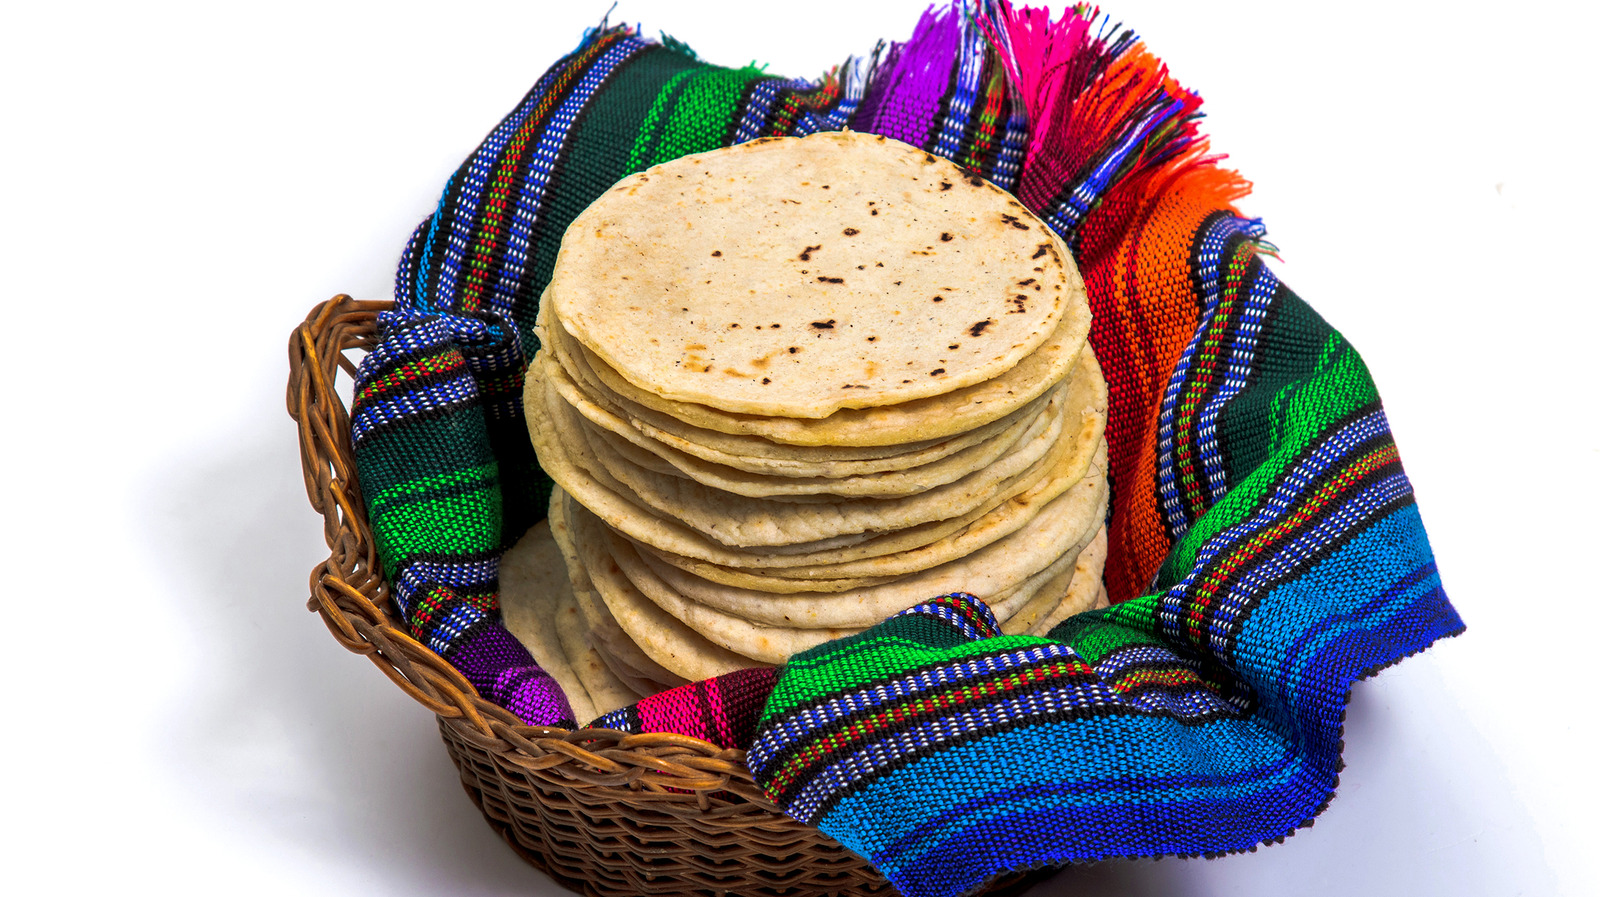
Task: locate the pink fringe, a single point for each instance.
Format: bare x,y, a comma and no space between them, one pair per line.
1086,89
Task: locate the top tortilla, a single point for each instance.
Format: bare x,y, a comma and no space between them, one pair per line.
922,421
795,277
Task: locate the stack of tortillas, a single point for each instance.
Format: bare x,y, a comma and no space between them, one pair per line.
790,388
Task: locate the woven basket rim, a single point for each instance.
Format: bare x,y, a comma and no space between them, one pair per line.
350,594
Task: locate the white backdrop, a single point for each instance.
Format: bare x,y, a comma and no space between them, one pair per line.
181,182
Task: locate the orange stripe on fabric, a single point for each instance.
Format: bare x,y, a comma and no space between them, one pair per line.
1135,249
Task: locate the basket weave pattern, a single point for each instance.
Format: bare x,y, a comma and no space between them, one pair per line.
602,812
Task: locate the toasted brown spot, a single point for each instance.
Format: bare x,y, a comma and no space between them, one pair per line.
938,298
824,325
831,279
733,326
874,211
715,253
978,328
953,346
793,349
1015,222
936,372
1023,283
850,232
695,347
945,237
765,380
1043,248
777,326
805,254
945,185
975,181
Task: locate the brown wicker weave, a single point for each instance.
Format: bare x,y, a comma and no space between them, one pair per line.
603,813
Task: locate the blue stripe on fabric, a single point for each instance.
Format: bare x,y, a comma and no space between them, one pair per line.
1207,266
425,263
455,574
1068,760
477,170
1070,211
541,164
433,397
1251,316
446,632
759,108
968,74
1013,145
1390,551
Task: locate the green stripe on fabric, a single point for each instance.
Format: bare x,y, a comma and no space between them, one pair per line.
459,524
456,513
702,114
655,120
1301,415
401,494
890,657
1094,634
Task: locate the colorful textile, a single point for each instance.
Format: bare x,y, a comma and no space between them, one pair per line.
723,710
1265,550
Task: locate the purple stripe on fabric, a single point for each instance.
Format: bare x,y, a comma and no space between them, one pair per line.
919,80
504,672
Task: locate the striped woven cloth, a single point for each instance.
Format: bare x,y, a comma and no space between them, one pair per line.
1265,550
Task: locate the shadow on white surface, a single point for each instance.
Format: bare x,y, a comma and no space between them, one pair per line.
282,738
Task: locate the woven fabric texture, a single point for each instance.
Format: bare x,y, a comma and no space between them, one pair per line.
1265,549
723,710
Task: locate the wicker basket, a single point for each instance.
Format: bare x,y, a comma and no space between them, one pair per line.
601,812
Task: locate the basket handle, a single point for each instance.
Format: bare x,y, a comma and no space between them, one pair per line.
348,589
